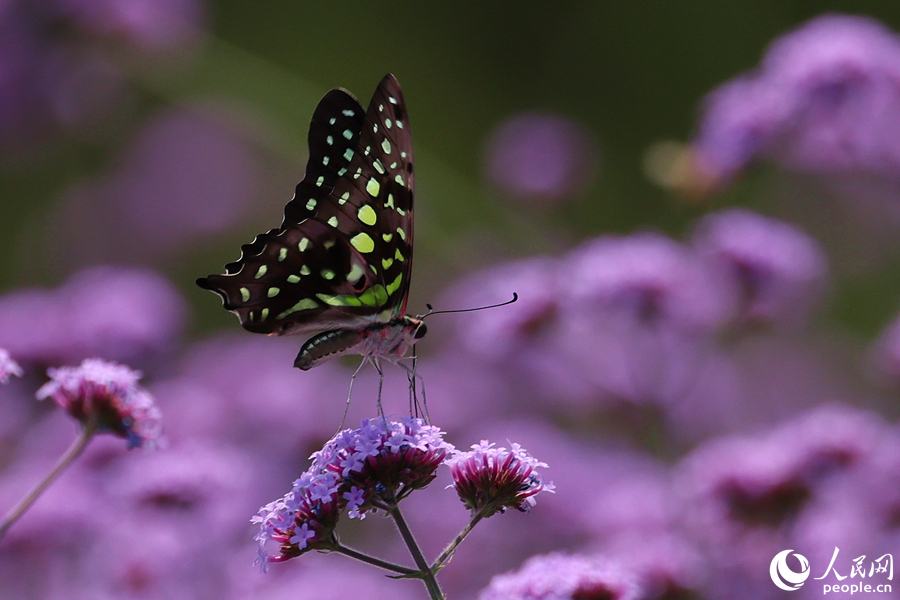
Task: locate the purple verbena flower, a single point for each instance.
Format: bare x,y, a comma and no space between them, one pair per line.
491,479
540,157
777,270
559,576
106,395
825,99
646,279
744,496
360,470
122,313
8,367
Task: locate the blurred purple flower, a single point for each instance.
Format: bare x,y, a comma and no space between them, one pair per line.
491,479
237,389
120,313
884,354
148,25
8,367
826,98
43,555
745,495
185,174
777,270
564,577
63,63
646,280
540,157
498,333
639,317
618,319
106,396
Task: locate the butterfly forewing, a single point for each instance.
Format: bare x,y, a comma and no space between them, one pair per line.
343,255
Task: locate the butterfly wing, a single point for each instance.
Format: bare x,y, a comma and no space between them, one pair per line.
342,257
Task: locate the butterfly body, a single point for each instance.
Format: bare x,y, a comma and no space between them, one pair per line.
339,266
389,340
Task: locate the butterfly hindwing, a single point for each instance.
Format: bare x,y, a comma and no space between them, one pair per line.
343,255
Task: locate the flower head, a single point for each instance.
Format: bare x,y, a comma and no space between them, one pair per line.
776,268
358,470
541,157
563,577
824,99
106,395
8,367
490,479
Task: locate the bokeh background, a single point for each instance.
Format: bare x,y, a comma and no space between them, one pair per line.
703,349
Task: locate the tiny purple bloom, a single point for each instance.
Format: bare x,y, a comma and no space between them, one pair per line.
490,479
8,367
564,577
107,396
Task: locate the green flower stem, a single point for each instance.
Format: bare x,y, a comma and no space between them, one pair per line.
447,554
383,564
65,460
425,572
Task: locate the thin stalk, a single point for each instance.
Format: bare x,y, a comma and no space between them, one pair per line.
388,566
64,461
445,556
426,574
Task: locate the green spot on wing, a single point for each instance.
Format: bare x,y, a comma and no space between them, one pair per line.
303,245
245,294
282,254
261,271
373,187
272,292
363,242
367,215
293,278
305,304
333,221
337,300
395,284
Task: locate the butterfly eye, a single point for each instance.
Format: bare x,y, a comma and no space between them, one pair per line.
420,332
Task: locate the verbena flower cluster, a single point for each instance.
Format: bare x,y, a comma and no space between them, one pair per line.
106,396
358,471
491,479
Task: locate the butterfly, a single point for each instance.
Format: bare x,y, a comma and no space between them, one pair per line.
339,266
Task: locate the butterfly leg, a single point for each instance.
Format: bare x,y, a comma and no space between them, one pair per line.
350,391
412,375
377,364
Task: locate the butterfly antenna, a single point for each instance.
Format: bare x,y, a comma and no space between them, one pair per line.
431,310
